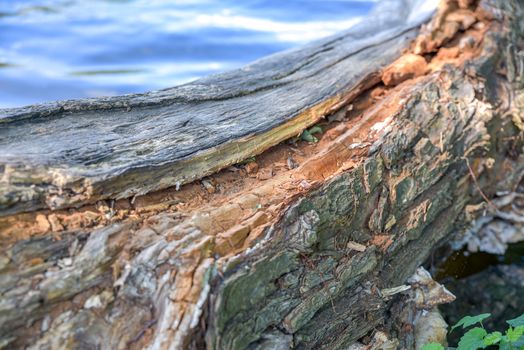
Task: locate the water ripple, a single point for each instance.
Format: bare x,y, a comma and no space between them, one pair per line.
58,49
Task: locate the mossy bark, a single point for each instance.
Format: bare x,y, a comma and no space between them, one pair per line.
316,278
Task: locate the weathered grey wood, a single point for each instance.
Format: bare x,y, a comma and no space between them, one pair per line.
72,152
318,271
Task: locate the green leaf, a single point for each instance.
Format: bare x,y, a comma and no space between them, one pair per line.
492,338
472,339
433,346
514,334
470,320
308,137
519,321
316,130
504,344
248,160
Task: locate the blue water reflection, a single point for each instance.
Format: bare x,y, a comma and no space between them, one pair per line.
61,49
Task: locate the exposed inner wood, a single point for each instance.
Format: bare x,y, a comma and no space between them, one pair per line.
294,248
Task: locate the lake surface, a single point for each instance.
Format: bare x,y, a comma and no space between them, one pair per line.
63,49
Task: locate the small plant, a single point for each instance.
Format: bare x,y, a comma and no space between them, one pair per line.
433,346
248,160
479,338
308,135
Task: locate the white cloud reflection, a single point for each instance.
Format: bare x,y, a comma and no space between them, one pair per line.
283,31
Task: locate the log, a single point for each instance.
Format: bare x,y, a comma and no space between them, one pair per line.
308,246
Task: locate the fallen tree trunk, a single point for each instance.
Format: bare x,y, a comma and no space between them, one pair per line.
297,249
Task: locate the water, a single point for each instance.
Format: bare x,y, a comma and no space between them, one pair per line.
462,264
63,49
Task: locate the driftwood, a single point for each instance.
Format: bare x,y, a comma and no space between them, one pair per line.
308,246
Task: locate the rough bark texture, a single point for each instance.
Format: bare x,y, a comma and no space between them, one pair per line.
304,263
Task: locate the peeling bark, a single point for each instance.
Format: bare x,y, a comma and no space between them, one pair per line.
301,253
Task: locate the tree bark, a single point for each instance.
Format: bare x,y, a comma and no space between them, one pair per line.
299,253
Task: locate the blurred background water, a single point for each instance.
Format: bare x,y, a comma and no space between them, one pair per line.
62,49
